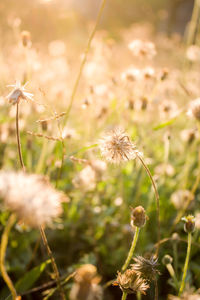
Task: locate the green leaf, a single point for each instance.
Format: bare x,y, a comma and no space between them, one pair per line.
162,125
27,281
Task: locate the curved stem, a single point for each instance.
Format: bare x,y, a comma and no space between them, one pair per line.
124,295
172,274
18,137
55,269
131,251
157,200
4,243
85,59
186,264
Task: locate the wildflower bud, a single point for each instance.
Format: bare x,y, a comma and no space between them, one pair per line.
167,260
189,223
175,237
138,216
26,38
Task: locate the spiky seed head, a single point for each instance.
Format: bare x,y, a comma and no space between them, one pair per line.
189,225
138,216
131,283
116,147
146,268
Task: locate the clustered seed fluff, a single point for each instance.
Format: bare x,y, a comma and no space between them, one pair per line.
31,197
116,147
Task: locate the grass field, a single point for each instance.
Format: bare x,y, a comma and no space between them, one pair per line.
100,154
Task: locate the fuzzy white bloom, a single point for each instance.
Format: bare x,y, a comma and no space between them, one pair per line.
141,48
180,198
31,197
116,146
193,53
85,179
194,109
19,92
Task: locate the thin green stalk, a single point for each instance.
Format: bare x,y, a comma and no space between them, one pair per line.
131,251
193,25
85,59
139,296
186,264
18,137
4,243
173,275
124,295
55,268
157,201
42,157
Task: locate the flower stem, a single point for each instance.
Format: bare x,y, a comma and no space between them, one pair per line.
18,137
84,59
194,23
131,251
157,201
124,295
186,263
54,266
4,243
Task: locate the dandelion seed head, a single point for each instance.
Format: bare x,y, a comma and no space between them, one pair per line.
31,197
116,147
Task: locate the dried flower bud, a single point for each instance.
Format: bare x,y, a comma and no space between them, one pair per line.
167,259
189,223
131,283
26,38
138,216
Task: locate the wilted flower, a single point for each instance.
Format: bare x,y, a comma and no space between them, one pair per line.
86,284
131,283
142,49
31,197
146,268
19,92
116,147
180,197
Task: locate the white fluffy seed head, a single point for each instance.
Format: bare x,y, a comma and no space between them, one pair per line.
31,197
116,147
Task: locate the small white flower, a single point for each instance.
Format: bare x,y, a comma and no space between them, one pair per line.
18,92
